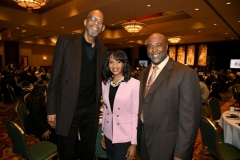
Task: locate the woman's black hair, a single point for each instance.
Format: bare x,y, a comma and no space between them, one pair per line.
118,55
37,92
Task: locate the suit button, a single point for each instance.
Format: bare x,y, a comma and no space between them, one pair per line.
107,113
117,115
118,108
66,81
117,123
107,121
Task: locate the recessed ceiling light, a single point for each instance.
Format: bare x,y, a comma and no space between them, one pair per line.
215,24
196,9
238,21
72,33
62,27
17,27
23,35
231,38
112,24
103,38
126,39
148,5
199,31
23,25
228,3
226,33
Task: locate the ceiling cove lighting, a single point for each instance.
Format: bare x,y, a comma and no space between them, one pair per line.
133,26
32,4
174,40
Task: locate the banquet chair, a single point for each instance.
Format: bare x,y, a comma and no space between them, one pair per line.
39,151
215,114
13,96
25,97
99,151
234,93
221,151
22,112
215,108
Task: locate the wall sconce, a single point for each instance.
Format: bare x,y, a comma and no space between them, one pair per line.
44,58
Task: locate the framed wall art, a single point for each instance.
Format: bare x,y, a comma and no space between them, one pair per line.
190,55
172,52
181,54
202,58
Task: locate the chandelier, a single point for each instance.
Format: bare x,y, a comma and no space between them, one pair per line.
174,40
31,4
133,26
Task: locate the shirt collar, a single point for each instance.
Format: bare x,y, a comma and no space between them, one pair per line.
162,64
90,44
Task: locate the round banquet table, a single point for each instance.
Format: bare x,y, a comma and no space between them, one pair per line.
231,128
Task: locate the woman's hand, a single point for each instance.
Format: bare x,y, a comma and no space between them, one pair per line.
131,152
46,135
103,142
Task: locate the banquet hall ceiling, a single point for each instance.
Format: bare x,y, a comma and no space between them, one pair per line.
213,21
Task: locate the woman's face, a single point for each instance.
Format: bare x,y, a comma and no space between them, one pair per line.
115,66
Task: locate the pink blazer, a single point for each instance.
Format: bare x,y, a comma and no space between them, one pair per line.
120,125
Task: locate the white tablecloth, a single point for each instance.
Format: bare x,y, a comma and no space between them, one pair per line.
231,128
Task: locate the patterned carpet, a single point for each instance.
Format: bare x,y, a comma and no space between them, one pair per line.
7,113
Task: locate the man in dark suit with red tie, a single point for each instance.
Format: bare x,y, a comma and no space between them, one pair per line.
74,90
170,107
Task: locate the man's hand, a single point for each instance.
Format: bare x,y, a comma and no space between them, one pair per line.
131,152
103,142
176,158
52,120
46,135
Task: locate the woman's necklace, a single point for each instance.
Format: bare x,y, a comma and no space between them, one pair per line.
117,83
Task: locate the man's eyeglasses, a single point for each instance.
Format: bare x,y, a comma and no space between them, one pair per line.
94,19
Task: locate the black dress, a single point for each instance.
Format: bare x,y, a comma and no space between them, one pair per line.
37,119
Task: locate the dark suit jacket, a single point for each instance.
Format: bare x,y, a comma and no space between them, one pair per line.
62,92
171,111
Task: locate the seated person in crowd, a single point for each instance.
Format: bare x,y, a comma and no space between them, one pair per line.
7,78
204,90
37,119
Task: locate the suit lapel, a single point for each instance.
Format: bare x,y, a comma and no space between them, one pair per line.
76,60
161,77
106,93
144,80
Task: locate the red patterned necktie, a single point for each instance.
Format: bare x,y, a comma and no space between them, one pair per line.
149,84
151,80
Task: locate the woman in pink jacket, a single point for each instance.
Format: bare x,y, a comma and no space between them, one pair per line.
121,101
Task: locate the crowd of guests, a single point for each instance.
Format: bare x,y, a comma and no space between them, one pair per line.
219,82
29,85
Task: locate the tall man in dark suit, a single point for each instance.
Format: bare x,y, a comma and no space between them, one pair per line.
170,110
74,90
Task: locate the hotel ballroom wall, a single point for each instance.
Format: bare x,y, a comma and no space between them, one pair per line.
218,54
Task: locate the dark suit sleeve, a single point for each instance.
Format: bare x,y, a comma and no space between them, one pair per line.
189,115
55,76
